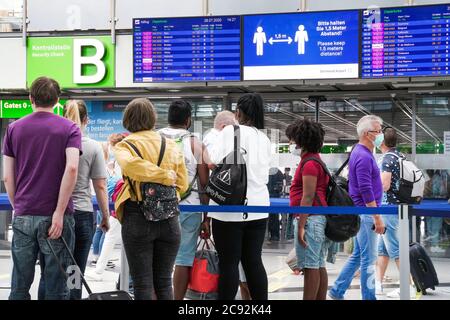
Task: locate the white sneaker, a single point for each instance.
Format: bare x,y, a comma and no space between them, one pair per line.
93,276
378,288
395,294
437,249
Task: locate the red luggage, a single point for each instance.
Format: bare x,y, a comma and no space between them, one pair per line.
204,280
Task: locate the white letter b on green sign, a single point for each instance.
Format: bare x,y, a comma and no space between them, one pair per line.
79,61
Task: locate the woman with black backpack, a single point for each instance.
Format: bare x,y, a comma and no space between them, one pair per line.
147,206
240,236
309,188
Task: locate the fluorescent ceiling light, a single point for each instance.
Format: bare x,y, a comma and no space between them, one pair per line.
88,91
413,85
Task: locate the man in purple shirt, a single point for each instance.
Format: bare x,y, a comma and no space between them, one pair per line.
41,153
366,190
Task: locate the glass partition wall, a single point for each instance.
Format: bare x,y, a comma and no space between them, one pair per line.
339,116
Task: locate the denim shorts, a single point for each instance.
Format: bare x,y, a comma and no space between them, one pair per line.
313,256
388,242
190,228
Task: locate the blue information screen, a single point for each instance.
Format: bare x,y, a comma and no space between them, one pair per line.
406,42
187,49
316,45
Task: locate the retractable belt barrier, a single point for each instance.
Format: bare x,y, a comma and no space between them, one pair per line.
430,208
281,206
387,210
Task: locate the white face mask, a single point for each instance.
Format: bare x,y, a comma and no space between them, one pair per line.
294,150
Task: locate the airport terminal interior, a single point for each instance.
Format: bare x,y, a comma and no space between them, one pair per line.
329,61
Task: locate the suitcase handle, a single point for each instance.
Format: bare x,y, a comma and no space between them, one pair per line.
83,280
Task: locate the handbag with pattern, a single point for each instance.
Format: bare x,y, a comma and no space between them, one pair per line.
159,202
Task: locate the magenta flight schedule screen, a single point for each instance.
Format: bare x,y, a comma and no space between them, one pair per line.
406,42
187,49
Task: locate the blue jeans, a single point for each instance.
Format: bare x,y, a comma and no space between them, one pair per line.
30,234
99,237
313,256
290,227
363,257
84,231
332,249
388,242
434,226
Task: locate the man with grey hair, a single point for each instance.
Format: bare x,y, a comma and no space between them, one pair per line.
366,190
222,119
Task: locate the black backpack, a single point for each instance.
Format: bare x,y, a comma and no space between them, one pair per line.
228,181
340,227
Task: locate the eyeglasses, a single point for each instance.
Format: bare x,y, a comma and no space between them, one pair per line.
376,131
387,127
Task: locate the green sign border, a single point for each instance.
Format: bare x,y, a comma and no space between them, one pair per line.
53,57
23,108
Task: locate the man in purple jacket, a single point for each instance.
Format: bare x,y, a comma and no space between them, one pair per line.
366,190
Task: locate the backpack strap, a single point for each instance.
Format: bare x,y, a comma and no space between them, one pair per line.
399,159
134,148
130,183
237,142
338,172
325,169
196,178
322,164
161,156
237,148
162,150
395,155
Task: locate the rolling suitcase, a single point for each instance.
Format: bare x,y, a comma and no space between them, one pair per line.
422,269
110,295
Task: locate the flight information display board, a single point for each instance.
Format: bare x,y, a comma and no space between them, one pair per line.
314,45
406,42
187,49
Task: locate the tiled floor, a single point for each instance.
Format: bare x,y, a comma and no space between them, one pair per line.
283,284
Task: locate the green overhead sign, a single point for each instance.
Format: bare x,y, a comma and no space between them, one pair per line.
15,109
75,62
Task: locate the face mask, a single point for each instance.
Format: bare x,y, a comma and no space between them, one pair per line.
378,140
294,150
